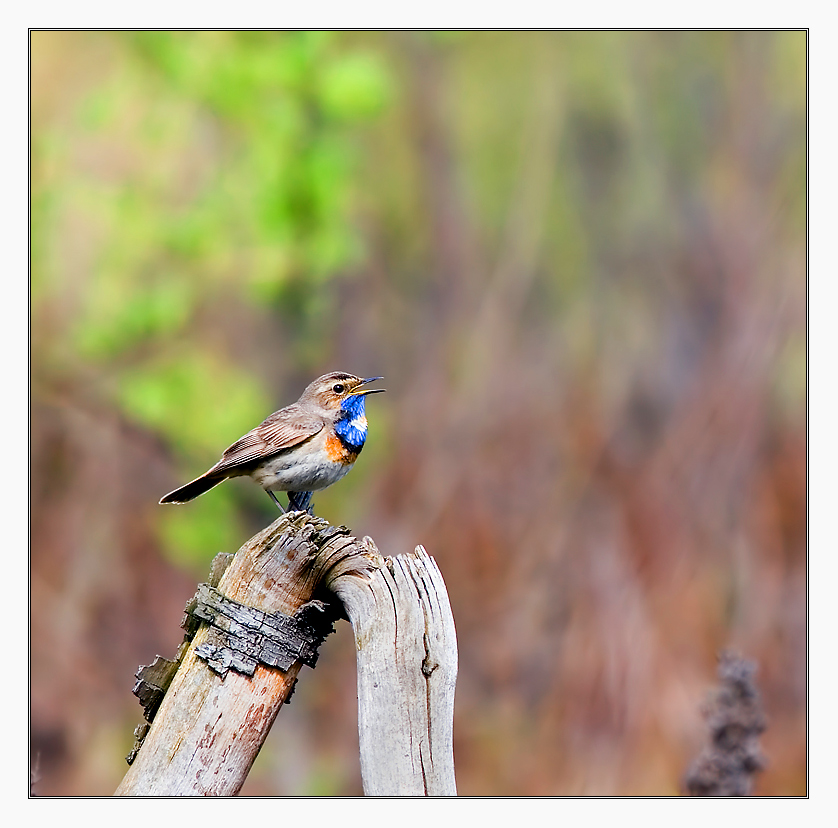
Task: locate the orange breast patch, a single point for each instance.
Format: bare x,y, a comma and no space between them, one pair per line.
337,452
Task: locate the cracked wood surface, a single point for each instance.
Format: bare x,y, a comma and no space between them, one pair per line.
208,730
407,669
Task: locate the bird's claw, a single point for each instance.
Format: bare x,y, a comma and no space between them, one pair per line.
300,502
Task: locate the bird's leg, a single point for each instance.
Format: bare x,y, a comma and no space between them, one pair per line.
274,498
300,501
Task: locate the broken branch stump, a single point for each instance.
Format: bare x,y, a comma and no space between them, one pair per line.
241,665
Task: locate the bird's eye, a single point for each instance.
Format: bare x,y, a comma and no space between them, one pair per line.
339,388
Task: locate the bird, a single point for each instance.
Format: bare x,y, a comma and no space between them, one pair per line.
299,449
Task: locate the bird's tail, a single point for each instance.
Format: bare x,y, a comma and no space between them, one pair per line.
191,490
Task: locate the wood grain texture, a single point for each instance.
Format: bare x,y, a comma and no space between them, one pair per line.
407,670
208,730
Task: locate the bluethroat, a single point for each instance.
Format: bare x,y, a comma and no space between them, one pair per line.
299,449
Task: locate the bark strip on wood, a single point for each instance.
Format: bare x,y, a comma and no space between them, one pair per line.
208,731
209,728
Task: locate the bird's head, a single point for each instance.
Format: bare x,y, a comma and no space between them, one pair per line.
339,391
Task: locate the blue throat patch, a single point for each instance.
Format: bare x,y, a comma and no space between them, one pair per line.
352,425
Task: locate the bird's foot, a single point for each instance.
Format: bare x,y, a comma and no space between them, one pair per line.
300,502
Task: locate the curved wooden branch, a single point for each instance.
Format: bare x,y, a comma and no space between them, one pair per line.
209,728
407,669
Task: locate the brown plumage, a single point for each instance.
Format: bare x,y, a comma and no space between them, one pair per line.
288,451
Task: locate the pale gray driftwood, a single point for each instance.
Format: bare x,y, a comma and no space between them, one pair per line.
407,669
208,729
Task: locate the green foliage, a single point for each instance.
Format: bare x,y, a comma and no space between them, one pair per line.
237,169
198,400
191,537
355,87
193,169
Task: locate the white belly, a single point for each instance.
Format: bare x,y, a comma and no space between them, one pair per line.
299,470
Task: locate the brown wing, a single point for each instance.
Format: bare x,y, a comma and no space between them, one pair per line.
282,430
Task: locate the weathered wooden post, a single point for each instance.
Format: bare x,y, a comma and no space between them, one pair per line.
261,625
407,668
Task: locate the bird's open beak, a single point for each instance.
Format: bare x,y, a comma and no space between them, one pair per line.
357,393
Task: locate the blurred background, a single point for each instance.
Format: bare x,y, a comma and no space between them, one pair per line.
578,258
